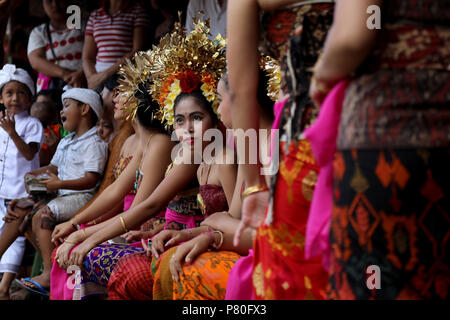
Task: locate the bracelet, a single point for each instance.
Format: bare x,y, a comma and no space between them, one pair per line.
217,247
74,225
254,189
210,234
122,221
67,241
85,234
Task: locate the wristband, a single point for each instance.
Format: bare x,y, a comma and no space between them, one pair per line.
122,221
254,189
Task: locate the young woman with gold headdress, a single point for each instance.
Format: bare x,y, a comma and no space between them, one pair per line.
205,273
188,99
143,174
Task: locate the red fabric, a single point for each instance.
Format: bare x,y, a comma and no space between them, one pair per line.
280,270
55,128
134,284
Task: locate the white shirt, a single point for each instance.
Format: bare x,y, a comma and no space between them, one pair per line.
67,44
13,165
75,157
213,11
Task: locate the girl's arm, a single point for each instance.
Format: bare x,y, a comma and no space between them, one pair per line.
227,177
156,160
270,5
178,178
242,57
113,193
348,43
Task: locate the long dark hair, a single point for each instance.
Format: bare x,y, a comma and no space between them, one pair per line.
147,108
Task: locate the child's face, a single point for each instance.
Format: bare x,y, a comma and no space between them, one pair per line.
40,111
71,114
105,129
225,104
16,97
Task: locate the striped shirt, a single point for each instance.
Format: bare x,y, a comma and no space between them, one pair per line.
113,35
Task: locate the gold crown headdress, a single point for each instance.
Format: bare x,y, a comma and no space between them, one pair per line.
135,81
183,64
272,69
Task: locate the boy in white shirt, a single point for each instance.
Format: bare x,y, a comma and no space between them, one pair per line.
74,171
20,139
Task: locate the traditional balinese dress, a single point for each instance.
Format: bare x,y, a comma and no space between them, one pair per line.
138,277
59,290
293,36
390,218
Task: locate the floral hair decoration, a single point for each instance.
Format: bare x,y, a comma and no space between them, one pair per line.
184,64
135,81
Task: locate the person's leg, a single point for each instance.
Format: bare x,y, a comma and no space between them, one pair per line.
11,248
42,225
7,279
10,231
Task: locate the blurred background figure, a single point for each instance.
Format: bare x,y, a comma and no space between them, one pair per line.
215,10
55,51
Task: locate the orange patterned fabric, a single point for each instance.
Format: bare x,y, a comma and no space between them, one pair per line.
280,269
390,209
206,278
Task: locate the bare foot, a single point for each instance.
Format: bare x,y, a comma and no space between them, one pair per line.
42,279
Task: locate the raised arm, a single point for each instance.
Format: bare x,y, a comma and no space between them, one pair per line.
349,36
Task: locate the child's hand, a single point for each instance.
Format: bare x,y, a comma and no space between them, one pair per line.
8,123
51,139
53,183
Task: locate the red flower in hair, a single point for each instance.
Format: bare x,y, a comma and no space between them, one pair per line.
189,81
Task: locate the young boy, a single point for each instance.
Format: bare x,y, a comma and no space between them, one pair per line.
20,139
74,172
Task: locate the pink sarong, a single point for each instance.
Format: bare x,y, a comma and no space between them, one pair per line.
323,135
239,286
62,283
189,221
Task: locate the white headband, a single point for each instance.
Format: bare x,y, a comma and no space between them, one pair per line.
87,96
11,73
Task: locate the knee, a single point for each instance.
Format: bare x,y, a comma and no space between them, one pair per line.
43,219
36,220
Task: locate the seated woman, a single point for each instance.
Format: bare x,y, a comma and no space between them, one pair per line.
152,157
194,115
134,279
